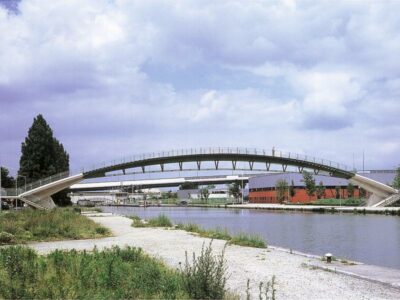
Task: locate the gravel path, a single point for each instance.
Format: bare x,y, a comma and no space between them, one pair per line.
294,279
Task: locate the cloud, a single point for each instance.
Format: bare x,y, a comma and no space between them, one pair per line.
120,77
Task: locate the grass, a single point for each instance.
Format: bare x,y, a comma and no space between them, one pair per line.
109,274
248,240
160,221
338,202
59,224
241,239
96,209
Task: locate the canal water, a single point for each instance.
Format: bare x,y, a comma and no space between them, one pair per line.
371,239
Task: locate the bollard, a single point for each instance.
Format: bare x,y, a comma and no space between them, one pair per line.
328,257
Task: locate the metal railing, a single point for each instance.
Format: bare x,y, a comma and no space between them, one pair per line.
219,150
36,184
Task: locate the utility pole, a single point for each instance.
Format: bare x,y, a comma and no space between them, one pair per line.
363,162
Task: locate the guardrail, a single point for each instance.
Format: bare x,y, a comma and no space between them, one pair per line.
219,150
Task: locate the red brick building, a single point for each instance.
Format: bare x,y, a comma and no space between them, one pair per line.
262,188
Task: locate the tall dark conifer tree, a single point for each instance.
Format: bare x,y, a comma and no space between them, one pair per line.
7,181
42,155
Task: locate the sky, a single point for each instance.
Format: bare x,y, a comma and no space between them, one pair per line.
115,78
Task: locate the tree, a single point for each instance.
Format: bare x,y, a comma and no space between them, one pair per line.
188,186
320,190
309,181
363,192
337,192
292,190
205,192
281,186
396,181
7,181
350,190
42,155
234,190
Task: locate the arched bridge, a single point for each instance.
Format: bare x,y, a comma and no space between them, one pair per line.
39,193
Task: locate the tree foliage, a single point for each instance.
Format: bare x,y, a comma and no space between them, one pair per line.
281,186
350,190
363,192
188,186
396,181
42,155
7,181
309,182
320,189
234,190
205,192
292,190
337,192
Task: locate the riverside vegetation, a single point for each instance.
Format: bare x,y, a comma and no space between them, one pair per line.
241,239
109,274
114,274
58,224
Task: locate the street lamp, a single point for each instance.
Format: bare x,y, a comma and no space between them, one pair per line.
16,189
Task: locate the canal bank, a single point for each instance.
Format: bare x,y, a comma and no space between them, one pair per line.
394,211
296,276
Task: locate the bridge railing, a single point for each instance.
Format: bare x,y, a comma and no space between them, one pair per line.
219,150
36,184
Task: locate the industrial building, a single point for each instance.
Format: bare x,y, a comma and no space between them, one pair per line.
262,188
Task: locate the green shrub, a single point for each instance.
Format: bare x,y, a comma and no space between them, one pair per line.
6,238
205,278
102,230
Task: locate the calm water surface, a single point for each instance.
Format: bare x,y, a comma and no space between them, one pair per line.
372,239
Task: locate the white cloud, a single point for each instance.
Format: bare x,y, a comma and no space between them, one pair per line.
293,66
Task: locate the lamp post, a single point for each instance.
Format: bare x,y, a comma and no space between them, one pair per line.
16,188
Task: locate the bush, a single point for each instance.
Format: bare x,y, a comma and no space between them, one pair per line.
205,278
101,230
6,238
